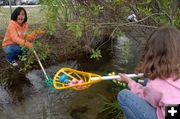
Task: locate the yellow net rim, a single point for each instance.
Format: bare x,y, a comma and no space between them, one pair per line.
85,76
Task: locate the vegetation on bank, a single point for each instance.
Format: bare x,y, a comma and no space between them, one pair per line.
91,24
91,21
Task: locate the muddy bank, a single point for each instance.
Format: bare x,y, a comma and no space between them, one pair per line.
57,54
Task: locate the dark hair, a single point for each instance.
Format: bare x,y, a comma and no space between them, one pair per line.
16,12
161,57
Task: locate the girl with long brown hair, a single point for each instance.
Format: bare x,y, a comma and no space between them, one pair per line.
160,63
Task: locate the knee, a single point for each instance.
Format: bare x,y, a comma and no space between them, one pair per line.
122,95
17,49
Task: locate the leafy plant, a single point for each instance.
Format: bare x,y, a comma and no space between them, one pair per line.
89,19
167,11
52,13
96,54
76,28
27,57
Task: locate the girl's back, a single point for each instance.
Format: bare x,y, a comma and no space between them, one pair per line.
161,64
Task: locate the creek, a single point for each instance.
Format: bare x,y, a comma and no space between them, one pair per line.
33,100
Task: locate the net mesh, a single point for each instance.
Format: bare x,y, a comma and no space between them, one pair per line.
67,78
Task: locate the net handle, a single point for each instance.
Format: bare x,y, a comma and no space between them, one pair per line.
39,61
117,77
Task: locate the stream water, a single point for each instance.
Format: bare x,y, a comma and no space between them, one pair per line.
33,100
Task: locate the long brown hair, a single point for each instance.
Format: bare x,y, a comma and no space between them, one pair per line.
161,57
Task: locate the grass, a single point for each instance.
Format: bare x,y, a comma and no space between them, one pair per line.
111,108
36,15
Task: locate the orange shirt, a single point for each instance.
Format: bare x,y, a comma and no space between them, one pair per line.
16,34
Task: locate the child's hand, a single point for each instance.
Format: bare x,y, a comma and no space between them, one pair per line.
28,44
40,31
124,78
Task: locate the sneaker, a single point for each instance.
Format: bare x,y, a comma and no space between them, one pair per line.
14,63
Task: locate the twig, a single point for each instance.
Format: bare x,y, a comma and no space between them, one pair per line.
128,24
169,17
105,4
131,7
109,37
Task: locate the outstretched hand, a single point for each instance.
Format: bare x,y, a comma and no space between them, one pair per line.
124,78
40,31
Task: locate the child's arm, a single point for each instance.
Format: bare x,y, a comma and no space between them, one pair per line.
136,88
35,34
16,38
148,92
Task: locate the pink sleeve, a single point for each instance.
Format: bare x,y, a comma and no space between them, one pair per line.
136,88
148,92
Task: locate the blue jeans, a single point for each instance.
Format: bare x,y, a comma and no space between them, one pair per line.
12,52
135,107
